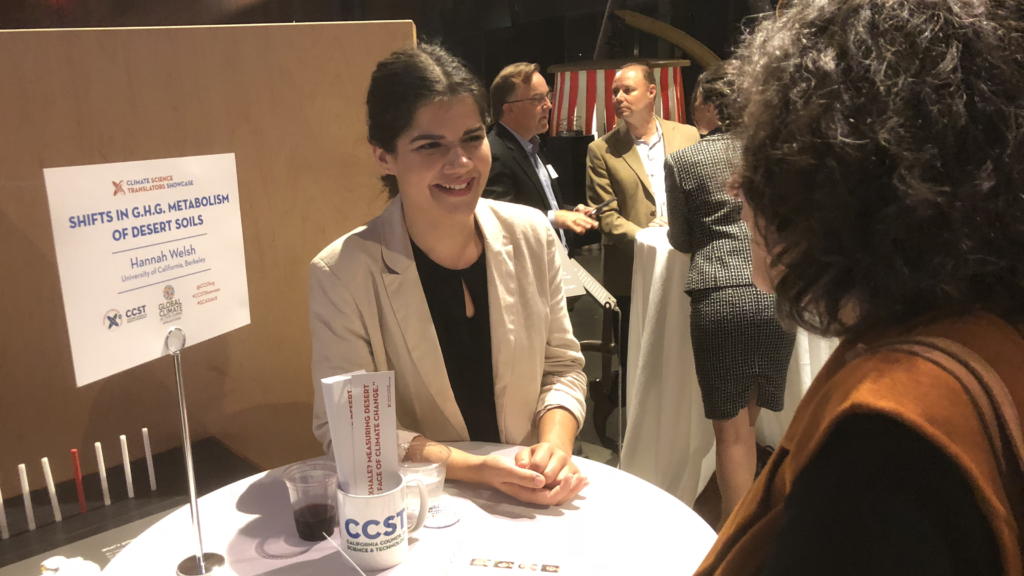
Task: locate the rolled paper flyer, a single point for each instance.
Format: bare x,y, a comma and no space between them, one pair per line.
103,474
52,490
374,432
4,532
27,497
149,460
338,402
78,481
127,466
361,416
364,429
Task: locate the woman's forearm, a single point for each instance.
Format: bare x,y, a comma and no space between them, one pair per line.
558,427
464,466
461,465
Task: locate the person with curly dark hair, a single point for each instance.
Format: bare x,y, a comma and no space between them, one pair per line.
882,178
714,100
741,354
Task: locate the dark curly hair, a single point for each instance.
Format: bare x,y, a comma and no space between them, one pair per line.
407,80
884,158
717,86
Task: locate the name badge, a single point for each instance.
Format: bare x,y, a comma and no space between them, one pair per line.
551,172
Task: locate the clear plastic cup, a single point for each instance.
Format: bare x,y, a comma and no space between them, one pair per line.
426,462
312,487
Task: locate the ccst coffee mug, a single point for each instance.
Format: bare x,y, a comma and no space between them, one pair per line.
373,528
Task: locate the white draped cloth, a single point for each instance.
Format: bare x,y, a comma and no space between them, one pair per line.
668,441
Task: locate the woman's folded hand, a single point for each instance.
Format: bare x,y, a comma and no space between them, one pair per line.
562,478
526,483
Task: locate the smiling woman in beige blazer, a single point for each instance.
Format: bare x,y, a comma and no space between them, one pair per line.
371,309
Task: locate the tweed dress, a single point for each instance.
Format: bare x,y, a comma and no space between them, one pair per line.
737,342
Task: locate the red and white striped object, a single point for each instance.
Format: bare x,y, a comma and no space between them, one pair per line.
583,100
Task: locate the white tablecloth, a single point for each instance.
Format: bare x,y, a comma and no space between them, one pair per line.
668,441
250,522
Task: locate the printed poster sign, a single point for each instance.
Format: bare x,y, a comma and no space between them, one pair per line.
144,246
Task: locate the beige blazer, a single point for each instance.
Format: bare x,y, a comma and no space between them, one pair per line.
367,311
615,170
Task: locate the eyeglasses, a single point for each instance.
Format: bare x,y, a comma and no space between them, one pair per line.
538,99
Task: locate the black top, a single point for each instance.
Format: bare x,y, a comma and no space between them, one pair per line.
879,499
465,342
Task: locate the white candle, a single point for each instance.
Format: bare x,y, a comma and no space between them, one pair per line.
103,474
53,491
26,497
149,460
127,466
4,532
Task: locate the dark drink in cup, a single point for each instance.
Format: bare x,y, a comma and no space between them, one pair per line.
316,522
312,488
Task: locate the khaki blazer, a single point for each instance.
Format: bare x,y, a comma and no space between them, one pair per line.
615,170
367,311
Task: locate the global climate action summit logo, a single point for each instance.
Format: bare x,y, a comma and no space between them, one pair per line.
112,320
171,309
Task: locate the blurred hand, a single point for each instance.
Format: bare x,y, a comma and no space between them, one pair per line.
583,209
526,485
561,476
575,221
659,222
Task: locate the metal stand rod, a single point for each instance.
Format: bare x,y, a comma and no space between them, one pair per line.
187,448
202,562
622,376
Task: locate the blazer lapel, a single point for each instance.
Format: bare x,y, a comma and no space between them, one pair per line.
673,138
502,293
523,159
630,154
405,292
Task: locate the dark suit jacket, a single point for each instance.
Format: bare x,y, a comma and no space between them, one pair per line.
703,219
513,177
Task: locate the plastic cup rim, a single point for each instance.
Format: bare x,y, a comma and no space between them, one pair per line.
402,484
325,466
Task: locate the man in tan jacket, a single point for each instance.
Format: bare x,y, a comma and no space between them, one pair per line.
628,165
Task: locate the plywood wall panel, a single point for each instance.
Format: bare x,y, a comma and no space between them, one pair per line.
288,100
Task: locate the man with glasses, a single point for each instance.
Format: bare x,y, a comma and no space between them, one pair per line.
521,104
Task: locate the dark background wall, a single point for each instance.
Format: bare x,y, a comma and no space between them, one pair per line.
488,34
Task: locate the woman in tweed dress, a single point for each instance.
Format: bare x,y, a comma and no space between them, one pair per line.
740,351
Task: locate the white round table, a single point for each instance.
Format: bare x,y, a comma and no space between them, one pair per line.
668,440
619,524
